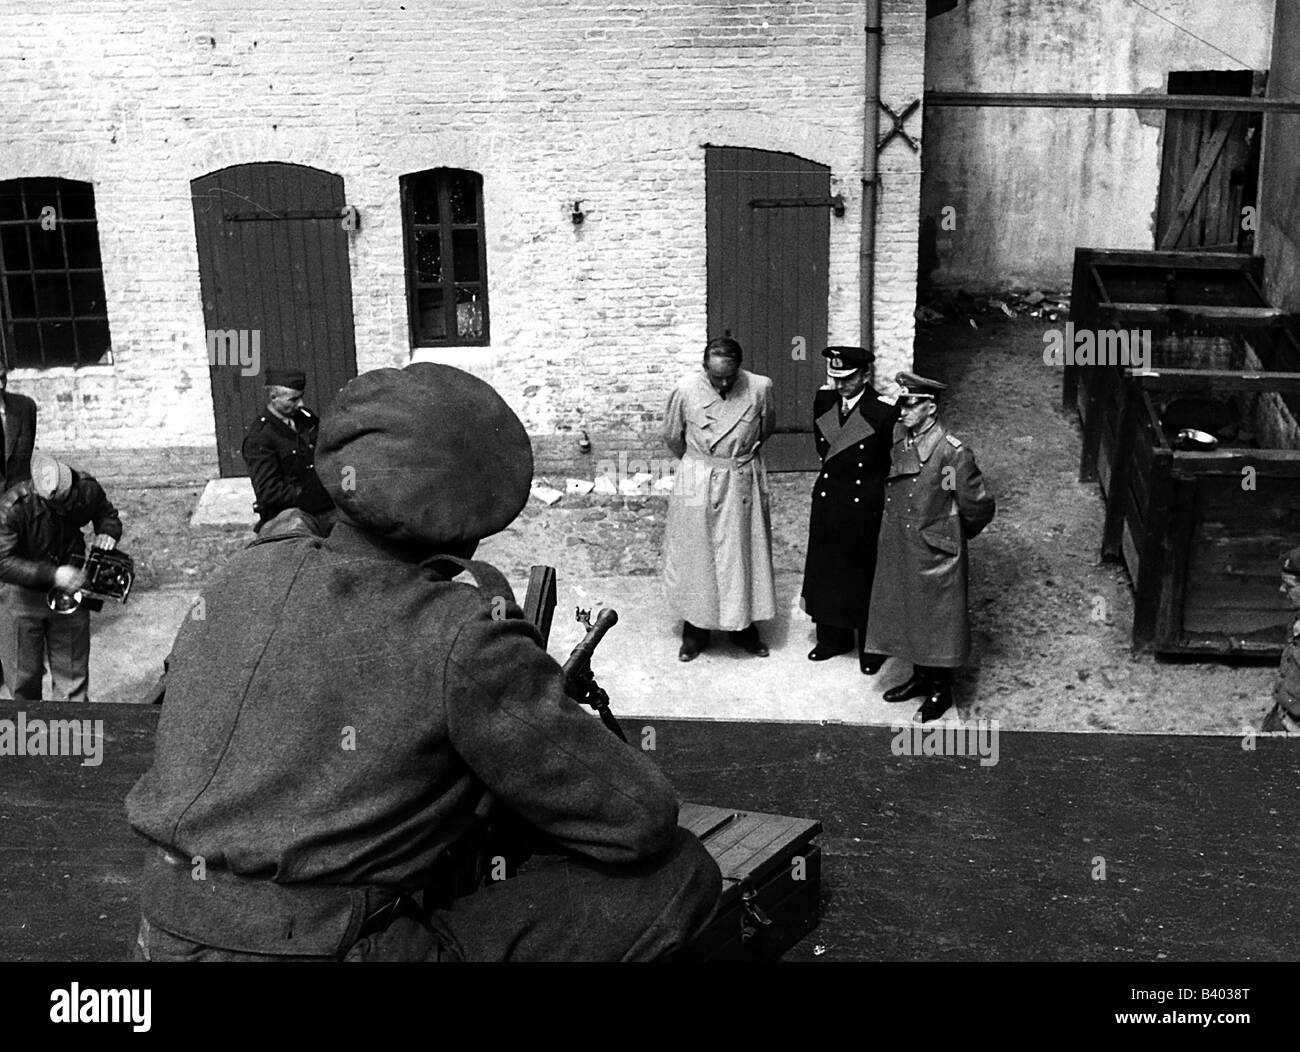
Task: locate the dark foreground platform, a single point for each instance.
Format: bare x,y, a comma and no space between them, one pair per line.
925,858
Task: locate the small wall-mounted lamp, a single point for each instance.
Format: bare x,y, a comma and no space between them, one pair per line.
577,215
584,443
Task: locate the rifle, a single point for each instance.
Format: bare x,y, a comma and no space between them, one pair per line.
579,680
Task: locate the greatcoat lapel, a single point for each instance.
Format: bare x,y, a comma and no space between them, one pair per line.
722,414
857,428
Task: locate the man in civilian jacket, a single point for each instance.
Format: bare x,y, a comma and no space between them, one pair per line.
18,421
40,530
338,718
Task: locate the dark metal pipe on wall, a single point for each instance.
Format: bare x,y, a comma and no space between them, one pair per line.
870,178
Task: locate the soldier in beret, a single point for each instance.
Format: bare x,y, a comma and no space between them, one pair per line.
853,428
280,451
935,501
346,711
1285,714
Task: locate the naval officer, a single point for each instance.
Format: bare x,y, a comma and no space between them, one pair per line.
853,427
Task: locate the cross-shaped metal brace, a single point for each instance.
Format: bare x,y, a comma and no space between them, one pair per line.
898,128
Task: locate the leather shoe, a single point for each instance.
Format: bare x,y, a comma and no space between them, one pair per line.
916,687
688,652
821,652
871,663
934,706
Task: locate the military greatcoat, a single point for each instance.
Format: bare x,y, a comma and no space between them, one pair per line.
847,502
935,500
718,542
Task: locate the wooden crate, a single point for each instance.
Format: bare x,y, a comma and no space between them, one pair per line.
1200,548
771,881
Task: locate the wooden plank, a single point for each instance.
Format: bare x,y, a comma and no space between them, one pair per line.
1121,468
1183,260
1153,544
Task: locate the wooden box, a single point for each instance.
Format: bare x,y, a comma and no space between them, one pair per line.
1200,532
771,881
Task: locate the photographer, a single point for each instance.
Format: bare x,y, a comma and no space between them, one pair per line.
335,721
40,531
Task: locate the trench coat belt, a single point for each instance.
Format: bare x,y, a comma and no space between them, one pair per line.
253,915
724,463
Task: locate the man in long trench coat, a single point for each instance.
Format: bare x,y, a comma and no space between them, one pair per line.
854,430
718,543
935,501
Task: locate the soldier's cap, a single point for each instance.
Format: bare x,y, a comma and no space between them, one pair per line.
844,361
1290,561
426,454
51,479
917,388
294,379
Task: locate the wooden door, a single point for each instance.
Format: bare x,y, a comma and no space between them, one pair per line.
273,260
1210,166
767,280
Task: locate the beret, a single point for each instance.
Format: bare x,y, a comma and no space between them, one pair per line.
427,454
294,379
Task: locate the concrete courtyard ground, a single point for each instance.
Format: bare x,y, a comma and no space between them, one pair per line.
1044,659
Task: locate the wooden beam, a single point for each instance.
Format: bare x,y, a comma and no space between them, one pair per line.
1130,314
1188,258
1104,101
1217,379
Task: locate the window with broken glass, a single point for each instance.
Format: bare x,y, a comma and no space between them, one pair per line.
446,257
52,310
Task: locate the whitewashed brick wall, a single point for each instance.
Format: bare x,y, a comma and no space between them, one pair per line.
551,101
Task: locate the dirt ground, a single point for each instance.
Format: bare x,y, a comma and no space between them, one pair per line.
1042,658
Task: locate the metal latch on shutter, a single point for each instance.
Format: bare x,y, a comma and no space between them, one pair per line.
835,204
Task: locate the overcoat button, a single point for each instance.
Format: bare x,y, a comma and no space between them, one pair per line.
858,482
856,500
823,493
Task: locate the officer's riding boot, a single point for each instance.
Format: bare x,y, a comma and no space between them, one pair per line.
832,641
693,641
939,699
916,687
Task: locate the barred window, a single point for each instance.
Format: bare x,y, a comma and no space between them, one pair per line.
52,309
446,257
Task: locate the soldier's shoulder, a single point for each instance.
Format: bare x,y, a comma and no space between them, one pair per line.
953,441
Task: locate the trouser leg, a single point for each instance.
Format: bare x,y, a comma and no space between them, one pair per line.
22,642
834,637
691,634
68,639
564,908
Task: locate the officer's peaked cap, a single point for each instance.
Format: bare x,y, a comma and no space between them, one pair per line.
843,361
425,454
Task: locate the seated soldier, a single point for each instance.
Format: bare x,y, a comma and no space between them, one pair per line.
339,717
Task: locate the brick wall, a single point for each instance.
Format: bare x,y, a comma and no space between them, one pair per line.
550,101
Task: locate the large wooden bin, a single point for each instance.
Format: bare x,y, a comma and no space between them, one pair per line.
1200,533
